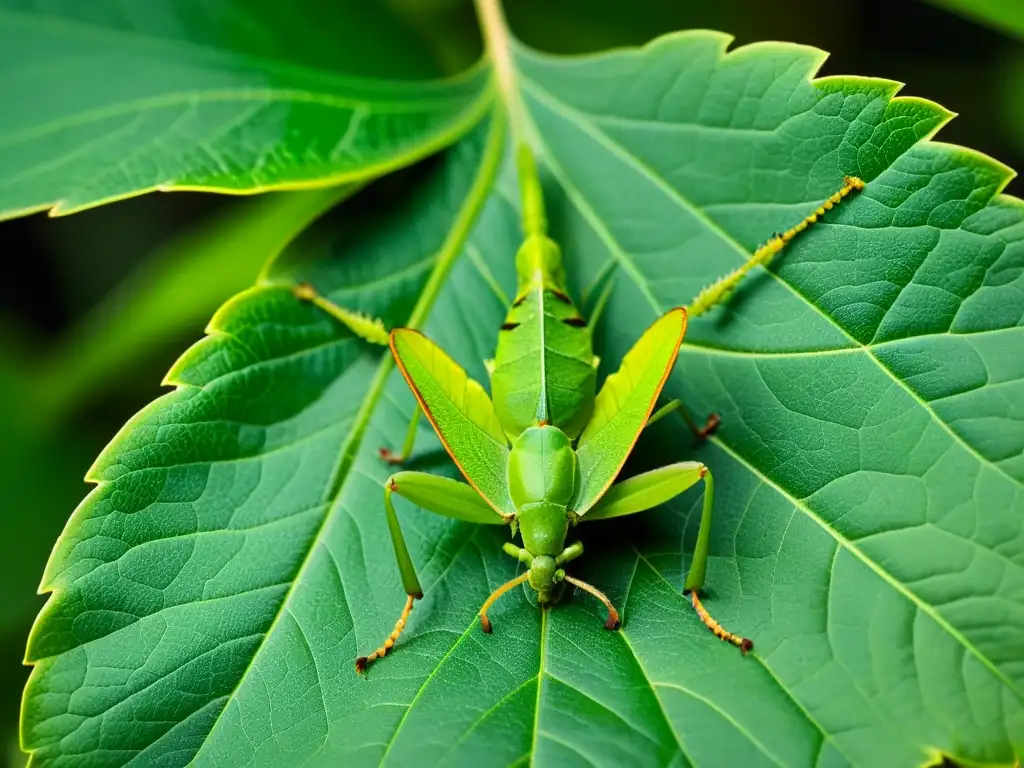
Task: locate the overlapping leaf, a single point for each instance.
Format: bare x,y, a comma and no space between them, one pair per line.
108,99
210,595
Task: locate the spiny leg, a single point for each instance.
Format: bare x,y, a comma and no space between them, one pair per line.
372,330
648,490
744,644
409,580
364,661
721,289
369,328
443,496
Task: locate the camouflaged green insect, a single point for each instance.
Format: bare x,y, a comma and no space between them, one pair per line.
543,455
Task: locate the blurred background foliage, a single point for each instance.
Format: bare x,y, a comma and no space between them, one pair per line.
95,307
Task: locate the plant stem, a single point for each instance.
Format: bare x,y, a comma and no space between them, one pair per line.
497,42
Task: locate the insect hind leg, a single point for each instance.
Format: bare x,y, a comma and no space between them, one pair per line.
744,644
695,578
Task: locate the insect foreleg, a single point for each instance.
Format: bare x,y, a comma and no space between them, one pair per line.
571,552
443,496
650,489
722,289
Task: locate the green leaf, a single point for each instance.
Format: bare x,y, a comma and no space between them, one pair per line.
109,99
210,595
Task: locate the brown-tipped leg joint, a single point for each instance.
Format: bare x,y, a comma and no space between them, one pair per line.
365,661
744,644
485,623
390,457
710,427
613,615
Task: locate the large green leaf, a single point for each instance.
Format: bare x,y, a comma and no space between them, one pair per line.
210,595
112,98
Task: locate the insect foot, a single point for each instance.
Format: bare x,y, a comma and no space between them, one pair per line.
744,644
390,456
709,428
364,661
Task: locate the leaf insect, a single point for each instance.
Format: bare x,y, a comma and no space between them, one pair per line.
542,456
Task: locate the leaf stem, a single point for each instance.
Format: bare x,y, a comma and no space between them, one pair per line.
498,45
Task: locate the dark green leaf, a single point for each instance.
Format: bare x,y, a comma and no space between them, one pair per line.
108,99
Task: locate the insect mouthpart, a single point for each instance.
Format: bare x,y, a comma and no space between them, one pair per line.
542,573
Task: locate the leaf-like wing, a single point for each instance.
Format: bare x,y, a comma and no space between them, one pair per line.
624,404
461,412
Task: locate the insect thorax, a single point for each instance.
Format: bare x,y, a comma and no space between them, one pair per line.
543,369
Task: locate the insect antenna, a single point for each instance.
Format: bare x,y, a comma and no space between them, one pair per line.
720,632
485,623
613,615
